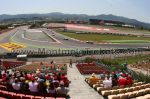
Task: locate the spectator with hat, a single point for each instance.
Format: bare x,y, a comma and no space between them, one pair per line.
93,79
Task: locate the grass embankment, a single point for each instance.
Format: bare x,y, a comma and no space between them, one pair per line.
123,29
116,64
128,59
107,38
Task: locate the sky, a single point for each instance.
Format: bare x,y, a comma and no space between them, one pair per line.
134,9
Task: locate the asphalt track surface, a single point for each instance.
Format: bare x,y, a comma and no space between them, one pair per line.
53,41
36,35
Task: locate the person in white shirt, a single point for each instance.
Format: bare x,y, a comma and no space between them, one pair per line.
107,83
16,85
33,86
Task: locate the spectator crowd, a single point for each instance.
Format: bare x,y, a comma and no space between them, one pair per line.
35,83
112,79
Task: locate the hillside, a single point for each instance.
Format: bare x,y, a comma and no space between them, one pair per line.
63,17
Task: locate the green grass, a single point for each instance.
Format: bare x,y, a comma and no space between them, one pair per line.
129,41
128,59
107,38
123,29
116,64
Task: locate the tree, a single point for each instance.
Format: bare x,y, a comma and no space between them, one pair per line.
3,27
141,28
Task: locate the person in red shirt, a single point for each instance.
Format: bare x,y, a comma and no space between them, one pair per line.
65,80
122,82
129,80
4,77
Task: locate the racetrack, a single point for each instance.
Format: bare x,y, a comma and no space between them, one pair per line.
101,29
37,41
89,28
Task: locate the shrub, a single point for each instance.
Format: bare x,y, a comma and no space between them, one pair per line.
89,60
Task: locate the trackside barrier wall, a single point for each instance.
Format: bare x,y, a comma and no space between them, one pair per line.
79,53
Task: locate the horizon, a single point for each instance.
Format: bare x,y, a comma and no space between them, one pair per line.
76,14
135,9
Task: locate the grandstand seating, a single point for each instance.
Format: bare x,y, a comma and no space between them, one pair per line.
89,68
138,90
11,64
14,95
7,93
48,67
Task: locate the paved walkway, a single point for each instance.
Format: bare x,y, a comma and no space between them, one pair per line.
79,89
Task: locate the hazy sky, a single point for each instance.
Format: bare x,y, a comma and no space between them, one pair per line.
135,9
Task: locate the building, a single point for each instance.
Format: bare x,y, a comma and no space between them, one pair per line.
105,22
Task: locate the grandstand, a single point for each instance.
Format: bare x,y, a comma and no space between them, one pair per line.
138,90
47,73
89,68
105,22
51,79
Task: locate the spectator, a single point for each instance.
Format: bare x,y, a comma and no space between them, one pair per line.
41,63
58,68
52,62
114,81
34,82
4,77
59,77
56,82
70,63
65,80
93,79
16,85
129,80
51,89
118,74
122,82
38,71
107,83
33,86
11,79
24,85
0,74
62,90
114,75
41,87
102,76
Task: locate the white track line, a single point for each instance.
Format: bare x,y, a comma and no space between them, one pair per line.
52,37
11,38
